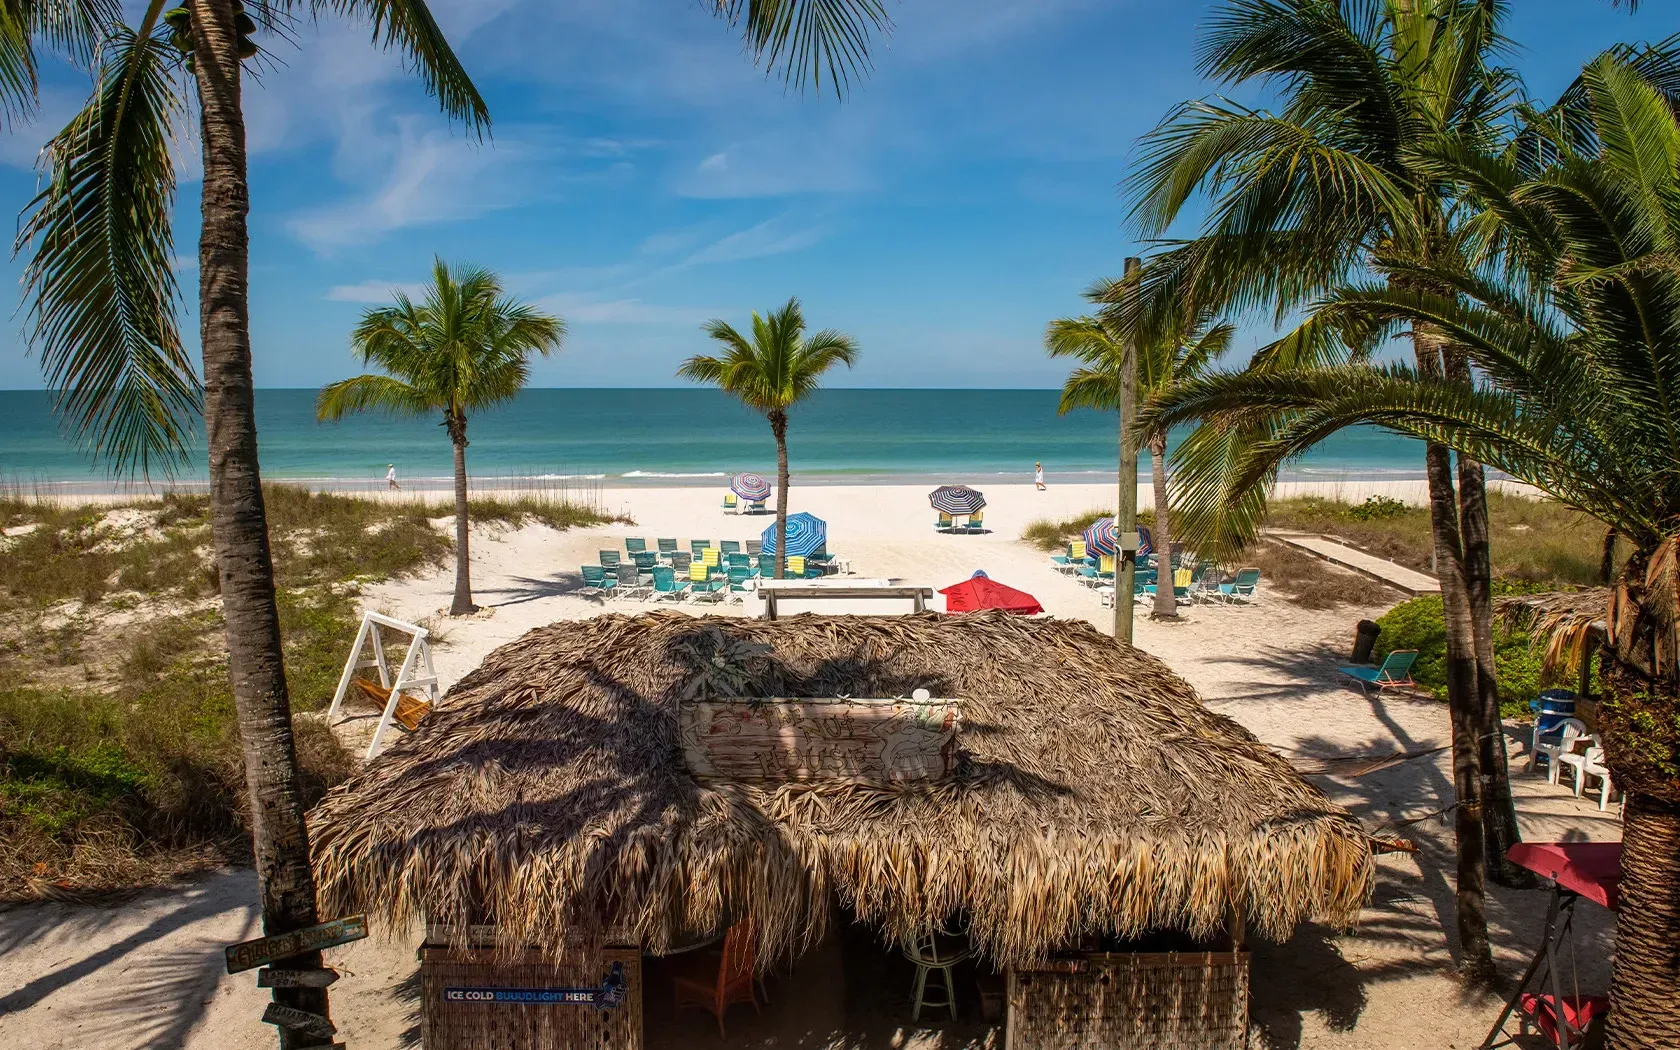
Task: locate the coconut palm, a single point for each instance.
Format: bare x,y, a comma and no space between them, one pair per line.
102,297
770,373
1576,341
1304,198
463,350
1164,360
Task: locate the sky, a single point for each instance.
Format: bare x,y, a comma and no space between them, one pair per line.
641,177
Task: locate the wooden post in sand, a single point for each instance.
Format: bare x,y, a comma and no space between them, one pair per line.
1125,519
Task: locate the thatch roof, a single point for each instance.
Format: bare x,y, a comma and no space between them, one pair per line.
1566,620
548,795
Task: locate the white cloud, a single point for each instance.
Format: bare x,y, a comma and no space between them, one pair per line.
585,309
374,291
771,237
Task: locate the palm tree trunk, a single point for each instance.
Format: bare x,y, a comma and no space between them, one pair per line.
463,603
1464,710
778,426
1166,603
1645,975
1499,810
239,526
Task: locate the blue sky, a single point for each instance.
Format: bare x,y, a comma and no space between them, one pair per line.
642,177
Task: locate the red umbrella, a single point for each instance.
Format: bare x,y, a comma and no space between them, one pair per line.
982,593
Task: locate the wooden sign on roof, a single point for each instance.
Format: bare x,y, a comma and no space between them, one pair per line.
886,740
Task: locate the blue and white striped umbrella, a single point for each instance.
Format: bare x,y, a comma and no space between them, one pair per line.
750,487
806,535
1100,537
956,499
1146,542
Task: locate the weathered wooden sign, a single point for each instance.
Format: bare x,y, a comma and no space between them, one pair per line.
271,978
299,1020
819,739
610,994
265,950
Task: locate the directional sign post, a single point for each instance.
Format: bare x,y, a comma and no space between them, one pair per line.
265,950
299,1021
271,978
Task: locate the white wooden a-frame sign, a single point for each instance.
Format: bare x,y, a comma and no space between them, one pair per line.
416,674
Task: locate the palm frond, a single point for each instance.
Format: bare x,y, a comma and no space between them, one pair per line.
408,26
99,282
809,39
370,393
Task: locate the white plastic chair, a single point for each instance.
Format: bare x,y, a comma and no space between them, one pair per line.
1570,731
1590,764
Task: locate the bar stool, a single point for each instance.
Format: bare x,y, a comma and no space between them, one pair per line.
926,953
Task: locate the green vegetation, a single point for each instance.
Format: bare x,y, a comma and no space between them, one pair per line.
120,763
1419,624
1049,535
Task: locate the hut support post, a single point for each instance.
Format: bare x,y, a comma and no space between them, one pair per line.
1125,519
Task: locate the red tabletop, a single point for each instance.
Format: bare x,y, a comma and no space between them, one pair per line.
1592,869
982,593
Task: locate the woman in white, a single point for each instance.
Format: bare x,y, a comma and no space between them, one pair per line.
391,476
1038,476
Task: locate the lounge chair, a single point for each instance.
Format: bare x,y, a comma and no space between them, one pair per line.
1395,672
1239,589
740,581
731,505
946,523
645,559
701,586
680,563
630,583
799,567
976,522
667,548
755,507
755,547
1105,567
596,579
766,566
711,558
635,545
696,546
666,585
610,559
729,546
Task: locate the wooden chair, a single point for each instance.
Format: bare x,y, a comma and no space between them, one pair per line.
733,982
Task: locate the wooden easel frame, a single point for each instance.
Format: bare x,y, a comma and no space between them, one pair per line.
416,673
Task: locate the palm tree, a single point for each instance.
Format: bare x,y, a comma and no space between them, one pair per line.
1163,361
1304,198
102,294
466,348
770,373
1575,339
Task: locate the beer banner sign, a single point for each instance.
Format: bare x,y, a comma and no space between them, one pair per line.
609,994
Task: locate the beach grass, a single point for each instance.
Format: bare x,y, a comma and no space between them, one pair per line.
120,764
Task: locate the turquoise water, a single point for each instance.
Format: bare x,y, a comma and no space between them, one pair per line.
675,435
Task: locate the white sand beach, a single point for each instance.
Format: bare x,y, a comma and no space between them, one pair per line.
147,973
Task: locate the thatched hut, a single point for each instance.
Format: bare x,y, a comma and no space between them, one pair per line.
1091,792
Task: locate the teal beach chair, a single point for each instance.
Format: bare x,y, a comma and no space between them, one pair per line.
1395,672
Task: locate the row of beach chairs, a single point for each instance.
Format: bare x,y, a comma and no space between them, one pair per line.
1192,580
706,572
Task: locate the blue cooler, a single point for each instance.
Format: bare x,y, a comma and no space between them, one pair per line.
1550,709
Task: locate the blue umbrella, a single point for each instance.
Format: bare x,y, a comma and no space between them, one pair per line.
956,499
806,535
750,487
1100,538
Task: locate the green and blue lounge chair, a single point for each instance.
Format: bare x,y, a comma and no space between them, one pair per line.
1395,672
729,546
667,547
666,585
701,586
595,578
1240,589
610,559
731,502
945,523
635,545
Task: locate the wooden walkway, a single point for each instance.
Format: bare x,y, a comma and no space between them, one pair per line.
1409,580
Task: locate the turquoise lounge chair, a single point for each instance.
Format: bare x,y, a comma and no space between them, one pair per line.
1241,588
695,547
667,548
729,547
666,585
740,581
645,559
702,586
766,565
1395,672
634,545
596,578
610,559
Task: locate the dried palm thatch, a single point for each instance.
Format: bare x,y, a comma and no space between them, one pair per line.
547,795
1567,620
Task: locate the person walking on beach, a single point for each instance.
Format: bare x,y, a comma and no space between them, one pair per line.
1038,476
391,476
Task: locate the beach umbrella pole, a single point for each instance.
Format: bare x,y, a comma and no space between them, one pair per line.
1125,518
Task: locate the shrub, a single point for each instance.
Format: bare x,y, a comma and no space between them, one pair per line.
1420,624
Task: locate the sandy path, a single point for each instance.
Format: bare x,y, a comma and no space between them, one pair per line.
147,974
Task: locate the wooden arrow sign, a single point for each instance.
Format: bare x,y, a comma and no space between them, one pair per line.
272,978
265,950
299,1021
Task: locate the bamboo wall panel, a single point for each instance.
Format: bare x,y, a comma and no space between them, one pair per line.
1143,1001
818,739
548,1026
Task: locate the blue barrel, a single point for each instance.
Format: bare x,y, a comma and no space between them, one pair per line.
1550,709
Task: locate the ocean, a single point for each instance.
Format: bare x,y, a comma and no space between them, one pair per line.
683,436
